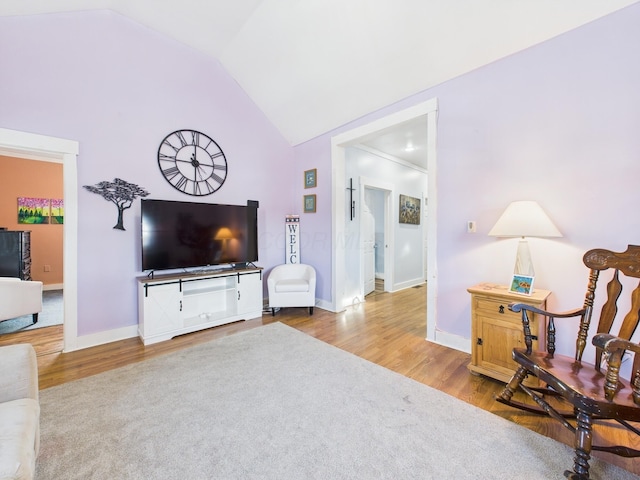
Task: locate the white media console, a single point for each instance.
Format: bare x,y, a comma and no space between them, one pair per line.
173,305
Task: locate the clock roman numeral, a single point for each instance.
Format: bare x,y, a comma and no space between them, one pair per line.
163,156
195,138
197,188
181,184
183,142
219,167
171,172
217,178
168,143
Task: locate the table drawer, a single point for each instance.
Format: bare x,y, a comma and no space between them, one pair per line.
488,306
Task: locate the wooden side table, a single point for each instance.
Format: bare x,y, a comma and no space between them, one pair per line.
496,330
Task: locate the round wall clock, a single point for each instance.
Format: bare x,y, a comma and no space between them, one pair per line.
192,162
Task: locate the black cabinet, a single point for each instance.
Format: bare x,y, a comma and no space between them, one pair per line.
15,254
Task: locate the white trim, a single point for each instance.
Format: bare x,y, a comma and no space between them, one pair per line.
324,305
107,336
432,222
52,149
352,137
391,158
452,341
408,284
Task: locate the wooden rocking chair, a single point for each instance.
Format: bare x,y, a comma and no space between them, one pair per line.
593,393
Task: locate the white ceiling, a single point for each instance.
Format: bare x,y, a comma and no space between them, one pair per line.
314,65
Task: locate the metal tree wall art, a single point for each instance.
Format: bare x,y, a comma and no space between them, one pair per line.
120,193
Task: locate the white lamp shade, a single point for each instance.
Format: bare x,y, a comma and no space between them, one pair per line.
524,219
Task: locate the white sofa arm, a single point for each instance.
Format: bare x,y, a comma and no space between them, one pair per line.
18,297
18,372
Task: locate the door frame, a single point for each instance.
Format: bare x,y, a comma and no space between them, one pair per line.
32,146
338,186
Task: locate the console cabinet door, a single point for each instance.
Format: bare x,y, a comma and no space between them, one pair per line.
250,294
162,304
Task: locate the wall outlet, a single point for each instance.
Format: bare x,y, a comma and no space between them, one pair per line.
47,268
471,226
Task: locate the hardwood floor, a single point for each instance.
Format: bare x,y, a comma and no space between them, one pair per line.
388,329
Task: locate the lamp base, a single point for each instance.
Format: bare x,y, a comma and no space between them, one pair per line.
524,265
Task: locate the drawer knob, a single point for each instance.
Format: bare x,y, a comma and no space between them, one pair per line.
501,309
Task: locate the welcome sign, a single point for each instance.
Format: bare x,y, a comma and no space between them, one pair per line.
292,238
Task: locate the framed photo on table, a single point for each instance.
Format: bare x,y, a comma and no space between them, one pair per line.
310,178
309,204
522,284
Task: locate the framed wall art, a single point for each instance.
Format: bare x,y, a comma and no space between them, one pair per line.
33,211
409,210
309,204
57,211
311,178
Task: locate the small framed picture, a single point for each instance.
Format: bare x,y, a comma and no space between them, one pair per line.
521,284
310,178
309,204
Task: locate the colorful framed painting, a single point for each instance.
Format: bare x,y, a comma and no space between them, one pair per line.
33,211
309,204
409,210
521,284
311,178
57,211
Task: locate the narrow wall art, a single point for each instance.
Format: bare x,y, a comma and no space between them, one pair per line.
57,211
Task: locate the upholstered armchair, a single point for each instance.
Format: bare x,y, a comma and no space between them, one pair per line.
20,297
292,285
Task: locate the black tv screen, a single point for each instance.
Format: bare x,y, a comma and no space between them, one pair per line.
188,234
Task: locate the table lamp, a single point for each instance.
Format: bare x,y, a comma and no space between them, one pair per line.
524,219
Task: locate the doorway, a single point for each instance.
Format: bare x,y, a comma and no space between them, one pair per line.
339,208
31,146
376,200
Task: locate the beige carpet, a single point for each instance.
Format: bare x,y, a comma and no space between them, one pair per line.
274,403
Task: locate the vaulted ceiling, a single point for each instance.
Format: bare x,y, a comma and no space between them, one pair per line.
314,65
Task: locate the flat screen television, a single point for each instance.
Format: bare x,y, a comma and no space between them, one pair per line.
187,234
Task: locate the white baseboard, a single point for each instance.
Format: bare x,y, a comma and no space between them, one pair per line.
53,286
453,341
101,338
324,305
408,284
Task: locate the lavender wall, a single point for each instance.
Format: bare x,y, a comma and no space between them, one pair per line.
557,123
118,89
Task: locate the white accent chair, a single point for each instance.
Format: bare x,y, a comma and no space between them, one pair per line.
292,285
20,297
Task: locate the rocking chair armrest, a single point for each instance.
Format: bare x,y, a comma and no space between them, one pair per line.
610,343
615,348
551,329
518,307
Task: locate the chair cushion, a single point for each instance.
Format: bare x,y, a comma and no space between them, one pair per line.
19,420
292,285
